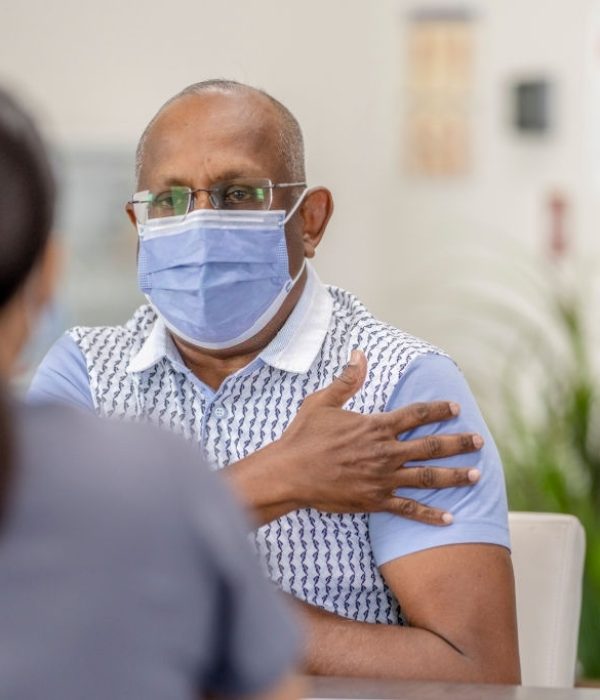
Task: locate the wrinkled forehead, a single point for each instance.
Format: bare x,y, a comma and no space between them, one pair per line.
200,138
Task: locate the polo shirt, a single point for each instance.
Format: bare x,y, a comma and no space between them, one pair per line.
330,560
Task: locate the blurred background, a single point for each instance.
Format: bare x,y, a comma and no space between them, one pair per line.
461,141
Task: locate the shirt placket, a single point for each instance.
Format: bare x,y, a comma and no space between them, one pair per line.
219,413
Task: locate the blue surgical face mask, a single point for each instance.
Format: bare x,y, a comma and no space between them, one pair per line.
216,277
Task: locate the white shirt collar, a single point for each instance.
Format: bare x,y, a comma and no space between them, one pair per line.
297,344
293,349
157,345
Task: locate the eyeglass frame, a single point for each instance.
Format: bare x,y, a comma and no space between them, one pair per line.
211,191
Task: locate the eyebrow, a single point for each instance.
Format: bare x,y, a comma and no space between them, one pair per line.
173,181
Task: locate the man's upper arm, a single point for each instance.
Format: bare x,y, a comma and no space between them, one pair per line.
463,594
479,511
62,377
457,581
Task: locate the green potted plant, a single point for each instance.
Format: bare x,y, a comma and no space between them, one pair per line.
552,460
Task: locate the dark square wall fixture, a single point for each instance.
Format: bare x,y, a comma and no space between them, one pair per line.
532,109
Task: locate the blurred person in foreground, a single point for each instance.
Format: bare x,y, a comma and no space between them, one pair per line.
237,336
125,570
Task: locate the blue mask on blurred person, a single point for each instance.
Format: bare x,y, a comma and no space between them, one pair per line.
216,277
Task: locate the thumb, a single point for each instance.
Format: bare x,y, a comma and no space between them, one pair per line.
344,386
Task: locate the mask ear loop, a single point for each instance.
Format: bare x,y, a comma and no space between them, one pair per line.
289,285
294,209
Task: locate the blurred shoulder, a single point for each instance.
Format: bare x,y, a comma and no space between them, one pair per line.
91,455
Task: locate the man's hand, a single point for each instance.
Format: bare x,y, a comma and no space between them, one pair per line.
344,462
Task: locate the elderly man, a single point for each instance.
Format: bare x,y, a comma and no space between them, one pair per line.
238,335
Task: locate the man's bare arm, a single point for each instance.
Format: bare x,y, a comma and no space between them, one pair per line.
460,605
343,462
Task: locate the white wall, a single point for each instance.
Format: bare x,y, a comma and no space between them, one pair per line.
98,72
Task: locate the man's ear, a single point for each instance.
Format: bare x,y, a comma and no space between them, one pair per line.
130,213
316,211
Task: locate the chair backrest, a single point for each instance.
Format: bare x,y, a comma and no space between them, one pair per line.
548,554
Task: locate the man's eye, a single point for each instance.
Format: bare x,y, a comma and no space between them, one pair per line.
164,202
171,202
237,194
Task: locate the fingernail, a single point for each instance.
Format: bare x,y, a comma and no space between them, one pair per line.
478,441
454,408
354,357
473,475
447,518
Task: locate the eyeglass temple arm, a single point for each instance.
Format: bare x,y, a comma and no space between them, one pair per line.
289,184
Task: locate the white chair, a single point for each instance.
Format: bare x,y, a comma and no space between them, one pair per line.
548,554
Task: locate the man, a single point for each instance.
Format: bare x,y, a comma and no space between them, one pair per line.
238,337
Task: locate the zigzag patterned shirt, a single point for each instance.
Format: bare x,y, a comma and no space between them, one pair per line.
330,560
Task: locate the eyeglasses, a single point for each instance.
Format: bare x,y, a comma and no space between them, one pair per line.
252,193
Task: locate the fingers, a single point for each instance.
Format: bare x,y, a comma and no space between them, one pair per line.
344,386
428,477
436,477
409,417
413,510
436,447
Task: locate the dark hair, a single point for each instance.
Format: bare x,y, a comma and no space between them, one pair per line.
28,194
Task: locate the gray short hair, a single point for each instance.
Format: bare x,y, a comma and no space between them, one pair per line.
291,142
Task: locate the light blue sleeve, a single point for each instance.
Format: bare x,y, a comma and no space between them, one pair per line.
480,511
62,377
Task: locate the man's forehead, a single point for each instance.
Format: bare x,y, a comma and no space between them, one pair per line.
209,127
214,108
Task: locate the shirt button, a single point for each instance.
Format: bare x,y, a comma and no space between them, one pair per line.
220,412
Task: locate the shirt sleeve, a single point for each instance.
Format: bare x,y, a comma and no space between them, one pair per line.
62,377
480,511
255,640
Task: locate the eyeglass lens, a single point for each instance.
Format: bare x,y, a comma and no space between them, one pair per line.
177,200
